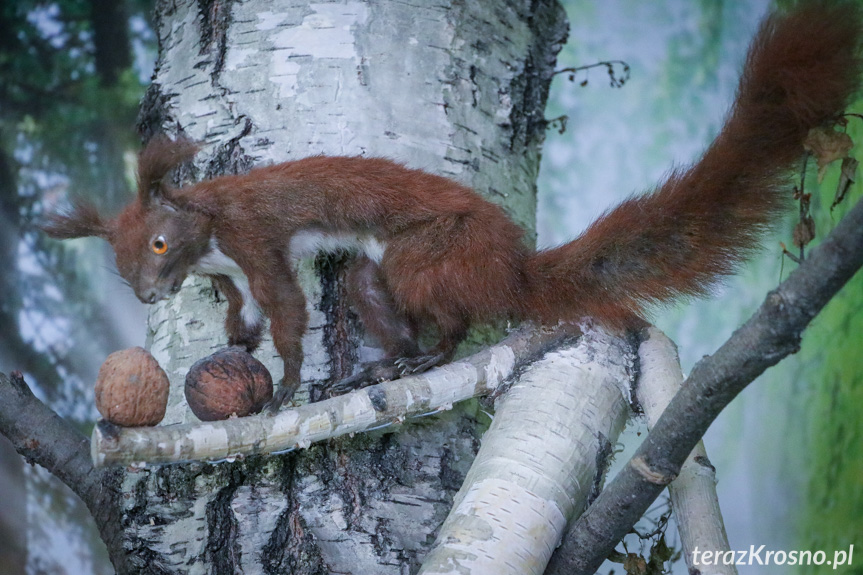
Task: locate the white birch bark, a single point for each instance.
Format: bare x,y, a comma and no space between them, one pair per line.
539,462
693,493
431,85
373,407
456,88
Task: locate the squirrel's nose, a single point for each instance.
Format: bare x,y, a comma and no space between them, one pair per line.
148,296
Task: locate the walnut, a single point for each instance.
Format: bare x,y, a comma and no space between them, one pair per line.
131,389
229,382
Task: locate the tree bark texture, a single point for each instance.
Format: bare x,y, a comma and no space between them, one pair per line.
455,88
693,492
541,460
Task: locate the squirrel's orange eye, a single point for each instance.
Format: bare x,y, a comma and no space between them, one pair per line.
160,246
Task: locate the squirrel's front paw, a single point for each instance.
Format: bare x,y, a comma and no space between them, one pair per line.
282,396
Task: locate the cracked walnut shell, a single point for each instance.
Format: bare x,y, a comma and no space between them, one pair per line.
228,382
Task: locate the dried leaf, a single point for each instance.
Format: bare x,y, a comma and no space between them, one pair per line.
804,232
660,553
847,177
616,556
849,169
635,564
827,145
661,550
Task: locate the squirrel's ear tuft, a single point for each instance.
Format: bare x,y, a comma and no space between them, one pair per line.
80,221
160,156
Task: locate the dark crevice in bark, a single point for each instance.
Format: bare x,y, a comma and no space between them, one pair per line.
291,548
170,483
215,20
153,109
230,157
635,338
153,114
223,549
341,327
105,504
548,23
451,473
604,458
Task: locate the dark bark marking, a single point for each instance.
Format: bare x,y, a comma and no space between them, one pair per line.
140,557
341,326
703,461
230,157
223,549
549,26
291,548
153,114
378,399
603,462
215,21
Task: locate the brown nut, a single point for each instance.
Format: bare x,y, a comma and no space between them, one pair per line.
229,382
131,389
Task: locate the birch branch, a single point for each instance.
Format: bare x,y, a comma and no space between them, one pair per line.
767,337
539,462
693,493
370,408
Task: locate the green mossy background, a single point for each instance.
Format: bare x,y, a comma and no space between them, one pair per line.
832,356
831,382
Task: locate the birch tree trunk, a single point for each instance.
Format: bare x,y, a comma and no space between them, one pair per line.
453,87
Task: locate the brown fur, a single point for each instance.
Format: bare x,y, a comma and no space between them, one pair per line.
452,258
801,71
159,158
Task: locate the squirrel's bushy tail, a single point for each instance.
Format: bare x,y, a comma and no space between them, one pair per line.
802,69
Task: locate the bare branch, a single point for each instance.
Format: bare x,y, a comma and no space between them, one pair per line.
693,493
771,334
370,408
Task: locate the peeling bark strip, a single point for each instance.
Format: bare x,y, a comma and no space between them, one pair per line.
537,463
372,407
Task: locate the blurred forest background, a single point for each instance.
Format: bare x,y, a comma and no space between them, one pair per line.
789,451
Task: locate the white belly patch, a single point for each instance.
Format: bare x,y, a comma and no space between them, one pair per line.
217,263
307,243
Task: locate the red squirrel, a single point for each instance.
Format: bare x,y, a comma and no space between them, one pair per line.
433,252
